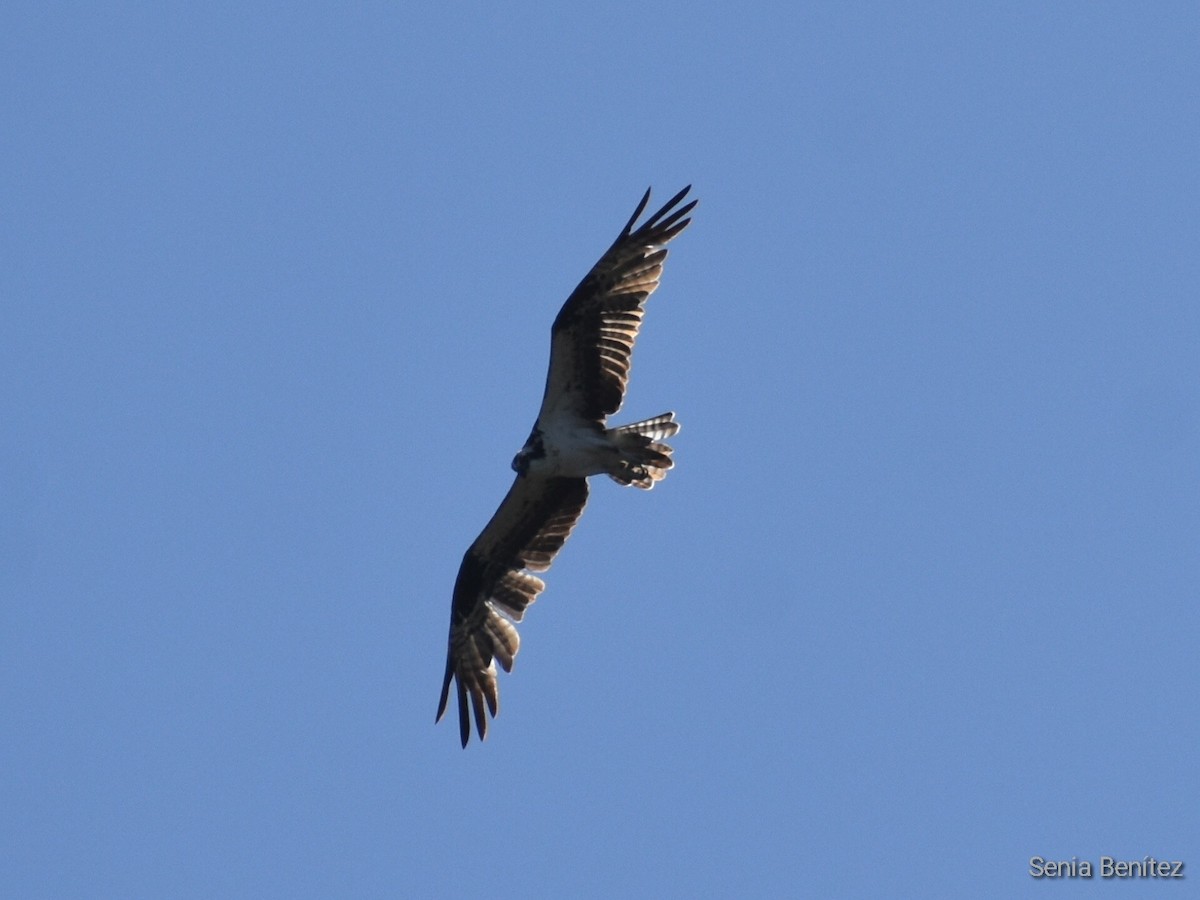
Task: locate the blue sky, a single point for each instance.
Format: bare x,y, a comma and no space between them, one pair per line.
917,603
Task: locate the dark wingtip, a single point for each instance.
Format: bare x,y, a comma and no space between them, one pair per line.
641,207
678,197
670,218
445,691
657,220
464,720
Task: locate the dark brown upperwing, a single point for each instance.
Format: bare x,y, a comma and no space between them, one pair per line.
593,336
492,590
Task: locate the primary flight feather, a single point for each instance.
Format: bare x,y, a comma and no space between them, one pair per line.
591,343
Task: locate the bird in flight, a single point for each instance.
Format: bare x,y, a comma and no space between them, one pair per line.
591,343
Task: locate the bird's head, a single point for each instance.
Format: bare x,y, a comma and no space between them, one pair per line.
532,450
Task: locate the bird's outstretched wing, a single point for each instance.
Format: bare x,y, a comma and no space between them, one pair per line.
494,588
592,338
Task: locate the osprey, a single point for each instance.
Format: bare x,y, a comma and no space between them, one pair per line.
591,342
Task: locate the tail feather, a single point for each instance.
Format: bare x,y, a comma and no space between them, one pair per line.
645,459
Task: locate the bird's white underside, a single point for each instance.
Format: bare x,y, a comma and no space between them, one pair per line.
573,449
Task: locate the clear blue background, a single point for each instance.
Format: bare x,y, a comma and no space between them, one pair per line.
918,602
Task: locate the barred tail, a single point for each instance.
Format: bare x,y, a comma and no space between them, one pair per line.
644,457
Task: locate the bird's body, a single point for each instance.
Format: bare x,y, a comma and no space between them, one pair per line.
591,344
570,448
